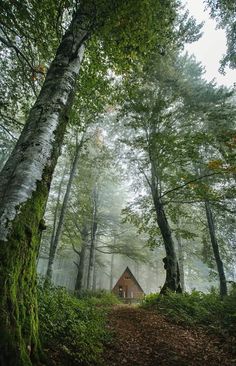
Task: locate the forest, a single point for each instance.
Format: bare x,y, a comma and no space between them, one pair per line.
117,185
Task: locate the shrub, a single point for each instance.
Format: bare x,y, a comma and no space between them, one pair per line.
197,308
75,327
98,297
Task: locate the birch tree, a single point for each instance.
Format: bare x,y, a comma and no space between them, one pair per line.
124,29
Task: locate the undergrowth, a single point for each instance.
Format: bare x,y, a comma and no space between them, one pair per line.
98,297
197,308
73,330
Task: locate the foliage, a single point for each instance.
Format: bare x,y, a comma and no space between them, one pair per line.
74,326
224,11
98,297
198,308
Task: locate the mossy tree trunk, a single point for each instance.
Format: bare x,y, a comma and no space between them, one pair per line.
24,187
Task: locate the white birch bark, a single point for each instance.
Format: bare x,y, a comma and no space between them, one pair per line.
39,144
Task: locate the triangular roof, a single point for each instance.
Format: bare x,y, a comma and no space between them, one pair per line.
132,276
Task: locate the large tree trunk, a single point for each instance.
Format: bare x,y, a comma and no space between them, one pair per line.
54,243
215,247
171,265
24,187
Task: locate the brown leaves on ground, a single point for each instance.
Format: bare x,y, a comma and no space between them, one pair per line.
146,338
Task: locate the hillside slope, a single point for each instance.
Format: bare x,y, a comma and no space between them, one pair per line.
146,338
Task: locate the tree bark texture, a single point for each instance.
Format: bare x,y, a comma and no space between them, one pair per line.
24,187
216,251
171,265
55,242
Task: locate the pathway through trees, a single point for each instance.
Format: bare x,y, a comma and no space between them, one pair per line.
146,338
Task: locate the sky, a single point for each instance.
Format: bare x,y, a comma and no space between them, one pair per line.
211,46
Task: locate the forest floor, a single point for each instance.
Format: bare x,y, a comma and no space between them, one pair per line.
145,338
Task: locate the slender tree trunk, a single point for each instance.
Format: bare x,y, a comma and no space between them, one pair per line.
24,187
181,260
55,215
92,256
82,257
94,286
112,271
80,274
215,247
93,240
54,243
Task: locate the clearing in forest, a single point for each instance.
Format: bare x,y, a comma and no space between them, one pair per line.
146,338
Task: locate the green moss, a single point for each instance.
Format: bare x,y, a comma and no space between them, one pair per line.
18,293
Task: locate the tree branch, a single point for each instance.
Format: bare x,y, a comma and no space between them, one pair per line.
9,44
191,181
11,120
145,175
75,250
7,131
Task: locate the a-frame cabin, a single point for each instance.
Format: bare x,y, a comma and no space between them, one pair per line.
127,287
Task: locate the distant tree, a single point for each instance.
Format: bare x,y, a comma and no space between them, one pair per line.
59,227
170,120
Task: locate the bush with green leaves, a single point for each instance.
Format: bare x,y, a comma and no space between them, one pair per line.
98,297
77,327
197,308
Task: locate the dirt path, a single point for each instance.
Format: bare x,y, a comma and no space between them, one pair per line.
145,338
